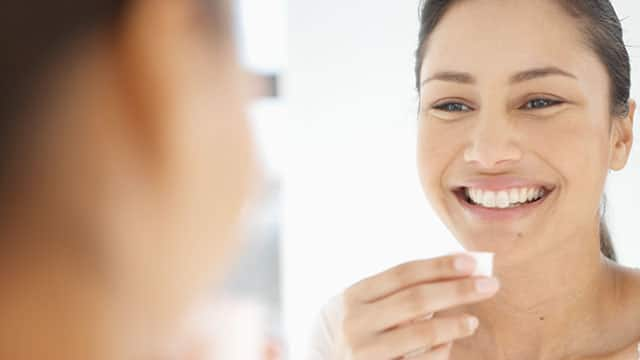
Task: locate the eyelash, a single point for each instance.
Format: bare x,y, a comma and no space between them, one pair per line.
550,102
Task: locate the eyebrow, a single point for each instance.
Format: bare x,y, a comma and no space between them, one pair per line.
526,75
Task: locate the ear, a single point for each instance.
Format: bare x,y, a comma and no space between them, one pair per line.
622,139
164,53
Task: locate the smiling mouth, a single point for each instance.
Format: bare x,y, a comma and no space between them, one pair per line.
505,199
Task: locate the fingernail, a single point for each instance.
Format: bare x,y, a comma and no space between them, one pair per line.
464,263
472,323
486,285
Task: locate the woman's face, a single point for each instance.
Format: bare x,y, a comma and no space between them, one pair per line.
513,105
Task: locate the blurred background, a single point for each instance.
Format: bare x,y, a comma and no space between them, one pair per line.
336,129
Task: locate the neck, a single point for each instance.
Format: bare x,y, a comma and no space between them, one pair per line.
550,306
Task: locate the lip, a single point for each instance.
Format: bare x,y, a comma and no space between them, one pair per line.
498,183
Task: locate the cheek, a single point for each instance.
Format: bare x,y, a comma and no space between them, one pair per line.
438,146
222,152
228,170
577,149
213,168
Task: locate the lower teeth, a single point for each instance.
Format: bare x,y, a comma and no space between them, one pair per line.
508,207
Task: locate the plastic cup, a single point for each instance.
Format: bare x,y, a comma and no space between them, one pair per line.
484,261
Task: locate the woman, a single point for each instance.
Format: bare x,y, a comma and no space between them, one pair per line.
126,165
523,112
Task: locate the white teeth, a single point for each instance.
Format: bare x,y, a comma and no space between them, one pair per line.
523,195
514,195
504,198
489,199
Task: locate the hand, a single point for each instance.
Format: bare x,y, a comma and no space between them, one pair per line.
387,316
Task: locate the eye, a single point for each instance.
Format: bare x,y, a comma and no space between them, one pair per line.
540,104
452,107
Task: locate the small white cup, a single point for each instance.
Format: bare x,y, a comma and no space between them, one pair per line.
484,261
484,267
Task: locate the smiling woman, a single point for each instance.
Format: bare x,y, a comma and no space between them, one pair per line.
605,39
518,129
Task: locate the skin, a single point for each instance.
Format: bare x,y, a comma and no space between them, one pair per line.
148,163
557,297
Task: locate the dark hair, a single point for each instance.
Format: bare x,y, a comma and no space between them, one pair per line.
603,34
33,35
32,31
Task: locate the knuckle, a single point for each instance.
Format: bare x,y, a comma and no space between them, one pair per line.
428,333
445,264
350,326
462,326
417,301
355,328
465,288
349,295
368,351
356,293
403,274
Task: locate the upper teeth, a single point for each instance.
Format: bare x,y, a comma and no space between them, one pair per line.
505,198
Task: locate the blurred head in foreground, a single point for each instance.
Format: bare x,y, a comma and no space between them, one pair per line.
126,163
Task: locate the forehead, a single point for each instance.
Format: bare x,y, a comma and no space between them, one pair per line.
495,38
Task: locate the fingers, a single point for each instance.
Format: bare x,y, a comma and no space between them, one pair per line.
418,301
386,315
440,352
411,339
409,274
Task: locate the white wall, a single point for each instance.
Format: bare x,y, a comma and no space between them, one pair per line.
352,202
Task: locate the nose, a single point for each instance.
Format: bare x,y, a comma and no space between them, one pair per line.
493,142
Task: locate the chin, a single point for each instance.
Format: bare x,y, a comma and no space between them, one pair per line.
497,240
